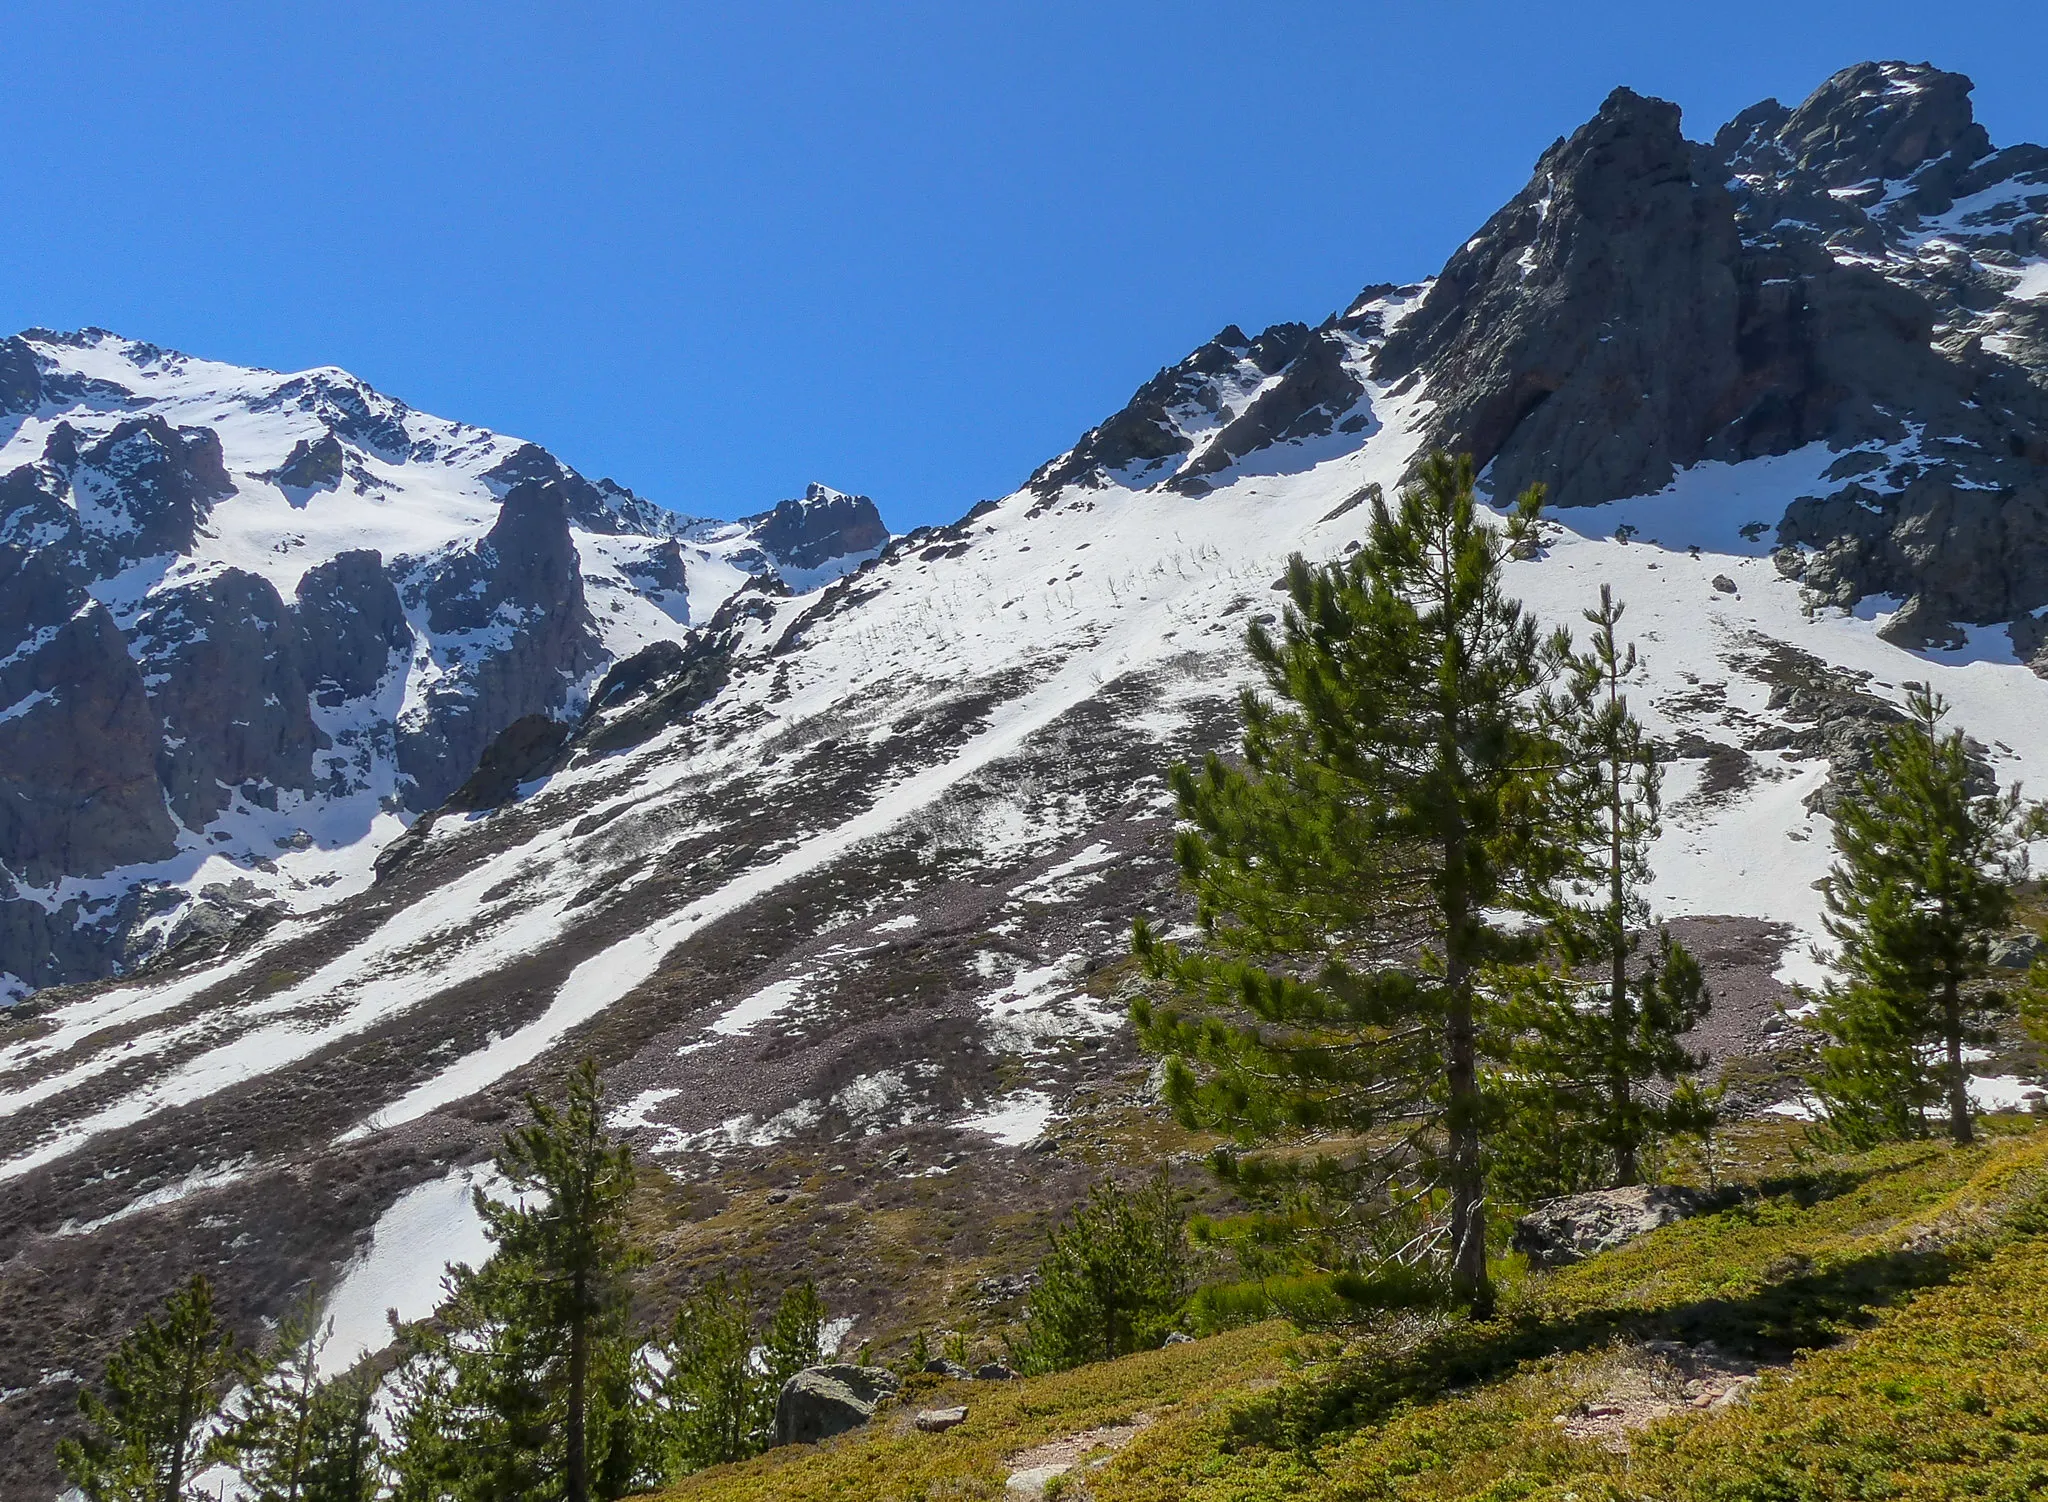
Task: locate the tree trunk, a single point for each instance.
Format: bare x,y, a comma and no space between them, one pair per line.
578,1489
174,1477
1960,1126
1469,1282
1618,1105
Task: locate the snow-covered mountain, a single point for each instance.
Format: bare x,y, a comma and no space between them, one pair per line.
841,881
255,622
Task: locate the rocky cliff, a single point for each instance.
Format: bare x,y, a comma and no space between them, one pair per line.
254,623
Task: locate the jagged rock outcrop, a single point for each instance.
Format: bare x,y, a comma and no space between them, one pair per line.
519,634
1317,389
313,464
352,626
227,680
1232,397
78,742
145,488
823,526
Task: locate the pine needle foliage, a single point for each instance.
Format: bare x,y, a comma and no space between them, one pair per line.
1922,882
1599,1071
272,1432
537,1350
1393,790
1113,1280
723,1372
166,1381
345,1461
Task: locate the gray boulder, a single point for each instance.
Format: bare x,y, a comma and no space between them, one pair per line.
821,1401
2014,951
1580,1225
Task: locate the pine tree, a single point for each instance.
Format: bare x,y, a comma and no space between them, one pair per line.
1393,795
710,1392
724,1372
1599,1066
270,1435
1922,882
427,1462
794,1340
542,1328
162,1385
1115,1276
344,1461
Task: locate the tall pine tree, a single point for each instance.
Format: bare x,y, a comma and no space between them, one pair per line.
345,1457
541,1349
162,1385
270,1435
1393,792
1921,884
722,1374
1599,1063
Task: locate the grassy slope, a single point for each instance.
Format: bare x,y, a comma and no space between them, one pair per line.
1907,1290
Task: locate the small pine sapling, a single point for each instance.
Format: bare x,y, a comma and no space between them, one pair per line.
1922,882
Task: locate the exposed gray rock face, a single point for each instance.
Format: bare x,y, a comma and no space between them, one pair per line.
78,741
1835,273
821,1401
824,525
518,597
523,750
316,464
2015,951
276,643
1787,262
1582,1225
352,626
1318,389
228,683
595,506
21,377
1232,397
143,489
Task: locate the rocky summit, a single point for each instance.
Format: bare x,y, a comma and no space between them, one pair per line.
358,768
254,623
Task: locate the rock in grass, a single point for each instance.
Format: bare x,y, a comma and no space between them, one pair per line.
1580,1225
2015,951
821,1401
939,1420
993,1371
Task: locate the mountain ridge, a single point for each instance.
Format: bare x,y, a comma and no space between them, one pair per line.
844,877
329,616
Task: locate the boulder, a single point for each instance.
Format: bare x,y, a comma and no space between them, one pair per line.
994,1371
939,1420
2014,951
1580,1225
939,1366
821,1401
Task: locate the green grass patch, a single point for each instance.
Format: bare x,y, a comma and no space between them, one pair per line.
1899,1300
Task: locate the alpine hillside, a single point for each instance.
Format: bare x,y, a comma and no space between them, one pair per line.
834,876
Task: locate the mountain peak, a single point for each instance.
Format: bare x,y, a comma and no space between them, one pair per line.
1883,121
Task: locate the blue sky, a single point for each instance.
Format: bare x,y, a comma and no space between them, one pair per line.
718,251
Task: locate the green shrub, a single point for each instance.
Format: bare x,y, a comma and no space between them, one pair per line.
1113,1282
